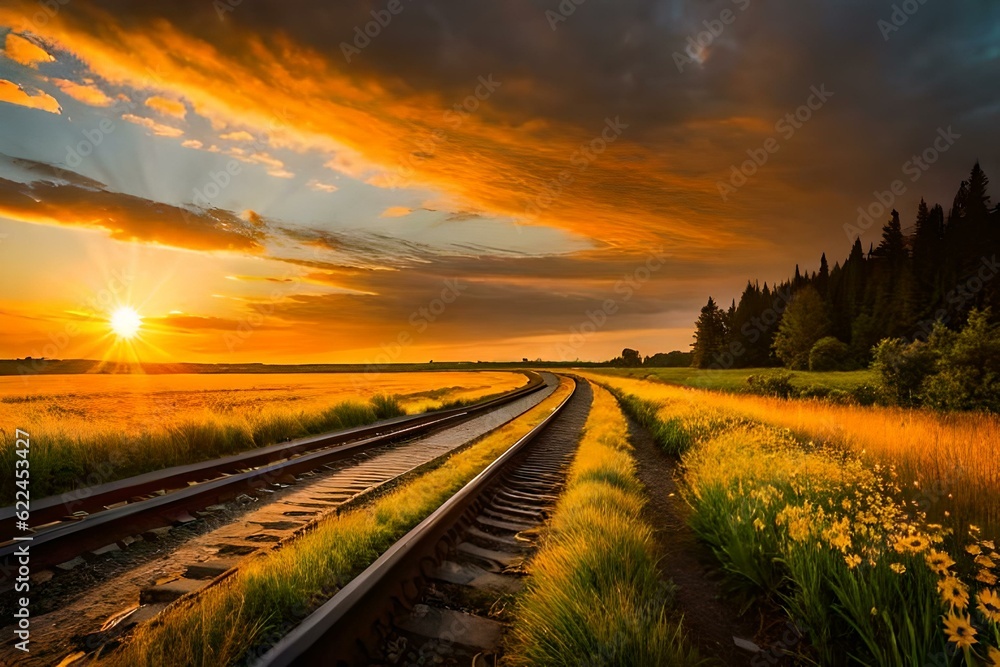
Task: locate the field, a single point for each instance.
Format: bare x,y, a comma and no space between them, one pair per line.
872,528
91,429
735,379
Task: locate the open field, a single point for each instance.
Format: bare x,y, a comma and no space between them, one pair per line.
265,598
91,429
799,505
594,590
735,379
948,461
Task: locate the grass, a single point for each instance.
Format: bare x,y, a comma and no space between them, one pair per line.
594,595
735,379
949,462
269,595
831,536
87,430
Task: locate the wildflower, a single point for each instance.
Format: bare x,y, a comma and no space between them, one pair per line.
898,568
914,543
852,561
984,561
988,544
758,524
989,604
986,577
993,657
959,630
939,562
954,592
974,549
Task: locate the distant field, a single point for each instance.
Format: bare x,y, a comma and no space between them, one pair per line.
736,379
91,429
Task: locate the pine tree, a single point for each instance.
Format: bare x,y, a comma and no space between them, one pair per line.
709,336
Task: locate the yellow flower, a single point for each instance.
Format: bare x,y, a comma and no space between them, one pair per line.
914,543
989,545
989,604
993,657
986,577
758,524
959,630
954,592
852,561
974,549
898,568
984,561
939,562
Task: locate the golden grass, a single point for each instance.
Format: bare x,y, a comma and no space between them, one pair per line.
266,597
950,461
594,595
91,429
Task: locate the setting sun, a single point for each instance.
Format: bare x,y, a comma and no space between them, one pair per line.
125,322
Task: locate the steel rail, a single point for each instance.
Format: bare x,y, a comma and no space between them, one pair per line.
326,636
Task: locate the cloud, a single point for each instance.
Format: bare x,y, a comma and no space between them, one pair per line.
396,212
24,51
128,218
239,135
192,143
86,92
167,107
12,93
159,129
320,186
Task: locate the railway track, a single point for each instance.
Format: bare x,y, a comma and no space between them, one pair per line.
411,605
182,568
89,520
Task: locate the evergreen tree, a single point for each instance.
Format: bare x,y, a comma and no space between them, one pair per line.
709,336
804,323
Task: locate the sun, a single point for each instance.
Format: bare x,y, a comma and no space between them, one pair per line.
125,322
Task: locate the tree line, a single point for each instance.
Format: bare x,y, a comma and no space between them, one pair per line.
931,275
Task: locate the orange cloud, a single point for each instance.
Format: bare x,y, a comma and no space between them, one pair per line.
167,107
240,135
396,212
159,129
127,218
319,186
14,94
86,92
25,52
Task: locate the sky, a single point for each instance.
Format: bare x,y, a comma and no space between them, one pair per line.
407,180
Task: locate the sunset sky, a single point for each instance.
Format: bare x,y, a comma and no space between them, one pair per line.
261,181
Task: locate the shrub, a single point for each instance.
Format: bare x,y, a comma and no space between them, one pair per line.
829,354
771,384
902,369
866,394
814,391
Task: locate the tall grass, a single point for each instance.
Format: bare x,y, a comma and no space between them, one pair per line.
594,595
950,462
266,597
830,536
62,461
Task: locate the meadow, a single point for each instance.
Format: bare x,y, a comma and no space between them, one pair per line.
92,429
852,519
735,379
270,594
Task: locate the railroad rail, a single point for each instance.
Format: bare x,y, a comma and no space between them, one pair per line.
484,522
132,506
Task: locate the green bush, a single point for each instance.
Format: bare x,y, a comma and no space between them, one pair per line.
771,384
951,371
829,354
815,391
